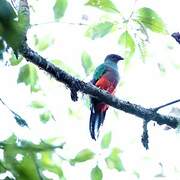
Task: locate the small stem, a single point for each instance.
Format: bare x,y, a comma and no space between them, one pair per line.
54,22
162,106
5,105
132,12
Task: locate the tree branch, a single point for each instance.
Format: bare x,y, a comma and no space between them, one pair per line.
87,88
76,85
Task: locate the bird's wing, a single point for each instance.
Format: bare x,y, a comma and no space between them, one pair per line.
107,82
100,70
105,78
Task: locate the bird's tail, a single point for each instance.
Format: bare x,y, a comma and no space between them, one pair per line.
96,120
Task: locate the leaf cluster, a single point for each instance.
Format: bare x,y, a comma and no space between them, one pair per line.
11,31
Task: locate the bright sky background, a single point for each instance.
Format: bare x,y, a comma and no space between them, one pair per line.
143,84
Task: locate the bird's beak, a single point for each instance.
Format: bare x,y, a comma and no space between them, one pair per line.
121,58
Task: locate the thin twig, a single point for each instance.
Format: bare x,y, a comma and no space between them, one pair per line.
168,104
61,22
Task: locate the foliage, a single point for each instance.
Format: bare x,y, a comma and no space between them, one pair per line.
106,5
84,155
106,140
10,29
128,43
20,157
43,43
151,20
99,30
113,161
59,8
144,17
96,173
87,63
29,76
27,160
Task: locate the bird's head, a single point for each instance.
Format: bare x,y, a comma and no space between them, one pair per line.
113,58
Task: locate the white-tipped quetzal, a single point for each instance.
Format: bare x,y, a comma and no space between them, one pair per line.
106,77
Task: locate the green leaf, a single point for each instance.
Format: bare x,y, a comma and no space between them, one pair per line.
96,173
53,140
45,117
151,20
28,146
84,155
113,161
60,8
44,42
3,168
14,61
128,44
65,67
28,75
19,120
11,140
106,140
37,104
26,169
48,164
87,63
10,29
29,167
105,5
12,33
43,146
99,30
6,11
21,169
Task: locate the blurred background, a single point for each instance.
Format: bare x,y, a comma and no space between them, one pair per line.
76,36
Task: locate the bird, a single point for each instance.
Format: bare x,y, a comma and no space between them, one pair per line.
106,77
